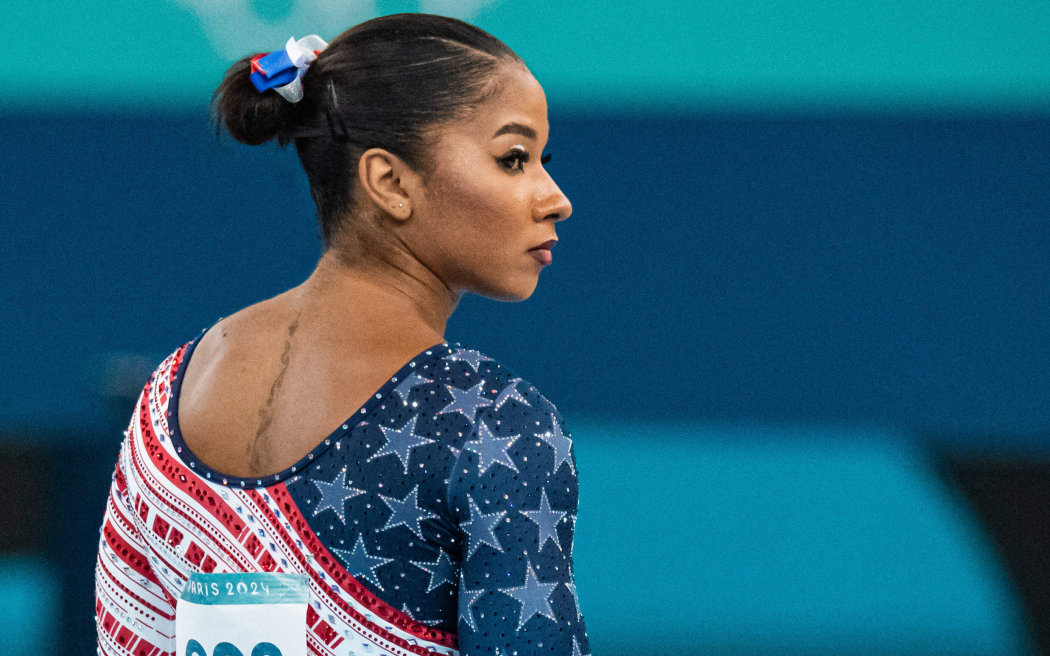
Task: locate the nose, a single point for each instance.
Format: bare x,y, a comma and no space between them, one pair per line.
552,205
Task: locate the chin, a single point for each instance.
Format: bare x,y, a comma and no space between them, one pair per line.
511,291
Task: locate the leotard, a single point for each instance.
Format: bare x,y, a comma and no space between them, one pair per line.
437,519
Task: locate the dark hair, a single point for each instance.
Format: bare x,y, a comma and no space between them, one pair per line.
382,83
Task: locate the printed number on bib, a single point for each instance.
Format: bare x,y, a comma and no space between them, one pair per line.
194,648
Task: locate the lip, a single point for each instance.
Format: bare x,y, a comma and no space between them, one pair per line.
542,253
549,244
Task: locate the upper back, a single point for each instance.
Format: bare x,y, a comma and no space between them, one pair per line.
267,383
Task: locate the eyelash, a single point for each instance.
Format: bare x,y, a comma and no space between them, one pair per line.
522,156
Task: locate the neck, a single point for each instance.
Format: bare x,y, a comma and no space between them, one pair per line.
405,301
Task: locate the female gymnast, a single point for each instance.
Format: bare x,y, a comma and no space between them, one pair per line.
424,495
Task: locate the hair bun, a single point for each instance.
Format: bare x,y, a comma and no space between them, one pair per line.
251,117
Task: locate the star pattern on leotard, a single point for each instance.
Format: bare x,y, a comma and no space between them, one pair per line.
561,444
466,402
491,449
406,512
471,599
576,648
408,611
441,571
470,356
454,523
400,442
334,495
405,387
510,391
571,585
480,528
546,519
415,614
533,596
360,563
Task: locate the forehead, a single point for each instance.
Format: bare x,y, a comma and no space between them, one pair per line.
520,99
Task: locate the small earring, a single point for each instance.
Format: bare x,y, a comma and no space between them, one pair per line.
400,204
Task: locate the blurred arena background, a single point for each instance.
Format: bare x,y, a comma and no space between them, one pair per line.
799,322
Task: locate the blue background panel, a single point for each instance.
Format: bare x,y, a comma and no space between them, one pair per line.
879,270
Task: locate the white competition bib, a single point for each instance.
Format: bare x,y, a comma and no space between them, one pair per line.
250,614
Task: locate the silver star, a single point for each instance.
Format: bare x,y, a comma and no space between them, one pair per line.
470,356
576,647
510,392
532,388
532,596
559,442
491,448
480,531
400,442
360,563
575,600
546,519
404,609
468,604
406,511
441,571
404,387
466,402
334,495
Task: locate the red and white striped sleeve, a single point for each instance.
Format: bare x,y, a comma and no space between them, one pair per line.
134,614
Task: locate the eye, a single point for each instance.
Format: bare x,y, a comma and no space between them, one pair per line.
515,161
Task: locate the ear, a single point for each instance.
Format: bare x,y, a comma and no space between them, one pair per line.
387,180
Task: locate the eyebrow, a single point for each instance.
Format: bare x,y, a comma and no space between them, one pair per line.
516,128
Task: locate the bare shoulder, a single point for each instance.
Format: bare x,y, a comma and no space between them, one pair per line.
242,332
229,371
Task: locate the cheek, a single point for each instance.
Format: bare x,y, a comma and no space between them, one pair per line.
477,227
475,211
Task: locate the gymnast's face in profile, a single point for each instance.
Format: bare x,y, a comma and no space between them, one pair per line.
488,199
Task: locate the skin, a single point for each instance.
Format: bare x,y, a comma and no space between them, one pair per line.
269,382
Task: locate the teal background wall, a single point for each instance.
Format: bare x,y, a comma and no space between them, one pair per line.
808,256
612,54
722,539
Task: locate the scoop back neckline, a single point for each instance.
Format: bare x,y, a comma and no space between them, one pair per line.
191,460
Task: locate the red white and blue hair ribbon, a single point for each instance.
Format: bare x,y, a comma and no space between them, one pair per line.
282,70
